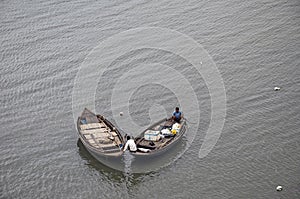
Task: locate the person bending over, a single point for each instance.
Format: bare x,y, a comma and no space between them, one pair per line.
131,144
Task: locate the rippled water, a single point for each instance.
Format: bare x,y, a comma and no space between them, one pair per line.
255,46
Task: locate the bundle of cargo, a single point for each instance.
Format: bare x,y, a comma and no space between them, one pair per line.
152,135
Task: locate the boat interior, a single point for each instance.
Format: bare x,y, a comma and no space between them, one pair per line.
99,133
151,145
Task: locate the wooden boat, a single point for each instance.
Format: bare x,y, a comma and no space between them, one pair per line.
105,143
153,155
151,147
101,138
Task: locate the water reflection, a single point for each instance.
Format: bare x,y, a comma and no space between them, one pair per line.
130,179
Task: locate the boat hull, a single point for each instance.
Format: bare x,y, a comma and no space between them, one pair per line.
145,162
113,161
154,162
96,130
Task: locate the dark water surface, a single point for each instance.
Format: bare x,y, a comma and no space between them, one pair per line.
255,45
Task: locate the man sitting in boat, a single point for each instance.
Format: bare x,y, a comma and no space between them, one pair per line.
132,146
177,115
